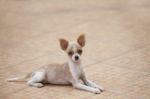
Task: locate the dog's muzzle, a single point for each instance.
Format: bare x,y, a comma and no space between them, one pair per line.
76,58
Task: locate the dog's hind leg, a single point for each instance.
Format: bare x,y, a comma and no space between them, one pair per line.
36,79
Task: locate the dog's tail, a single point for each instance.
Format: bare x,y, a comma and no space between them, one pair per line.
19,79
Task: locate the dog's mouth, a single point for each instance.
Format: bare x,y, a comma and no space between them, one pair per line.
76,61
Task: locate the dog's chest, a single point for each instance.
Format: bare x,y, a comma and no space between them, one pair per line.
75,70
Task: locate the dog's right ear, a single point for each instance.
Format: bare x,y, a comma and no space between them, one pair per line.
81,40
63,43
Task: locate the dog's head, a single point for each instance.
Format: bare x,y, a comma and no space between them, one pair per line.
73,49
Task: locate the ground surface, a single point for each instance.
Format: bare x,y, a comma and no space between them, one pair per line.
117,52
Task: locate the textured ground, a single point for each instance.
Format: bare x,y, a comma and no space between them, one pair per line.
117,52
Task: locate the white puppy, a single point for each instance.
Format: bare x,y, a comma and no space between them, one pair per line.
68,73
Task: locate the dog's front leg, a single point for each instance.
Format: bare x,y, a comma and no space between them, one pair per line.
90,83
86,88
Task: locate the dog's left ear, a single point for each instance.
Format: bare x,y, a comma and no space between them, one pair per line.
81,40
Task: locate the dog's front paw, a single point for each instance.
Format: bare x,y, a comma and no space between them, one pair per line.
100,88
96,91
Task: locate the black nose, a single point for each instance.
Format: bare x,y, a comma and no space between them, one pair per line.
76,57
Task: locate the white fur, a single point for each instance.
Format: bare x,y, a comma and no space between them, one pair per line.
75,69
36,78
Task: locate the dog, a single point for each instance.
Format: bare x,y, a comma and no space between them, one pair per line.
70,72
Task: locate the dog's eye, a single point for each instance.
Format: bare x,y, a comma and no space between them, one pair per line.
70,53
79,51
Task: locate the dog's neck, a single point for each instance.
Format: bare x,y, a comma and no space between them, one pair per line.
71,63
75,69
74,65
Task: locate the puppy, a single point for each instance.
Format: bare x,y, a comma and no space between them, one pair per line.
70,72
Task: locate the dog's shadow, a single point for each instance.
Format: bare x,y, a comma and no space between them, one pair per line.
57,85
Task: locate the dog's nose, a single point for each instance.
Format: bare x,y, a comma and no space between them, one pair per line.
76,57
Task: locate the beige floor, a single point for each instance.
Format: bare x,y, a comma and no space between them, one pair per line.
117,52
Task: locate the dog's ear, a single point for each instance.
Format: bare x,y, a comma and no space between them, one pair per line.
63,44
81,40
